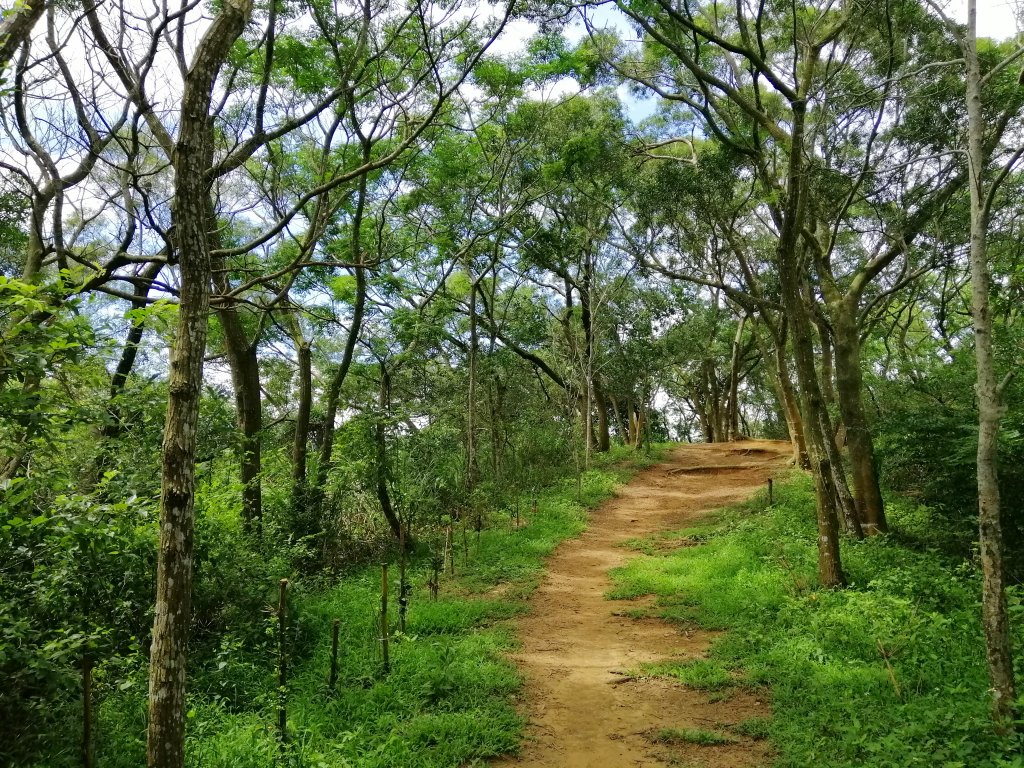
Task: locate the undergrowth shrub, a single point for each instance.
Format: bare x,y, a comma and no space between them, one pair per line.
449,697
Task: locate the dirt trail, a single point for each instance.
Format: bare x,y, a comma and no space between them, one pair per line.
583,712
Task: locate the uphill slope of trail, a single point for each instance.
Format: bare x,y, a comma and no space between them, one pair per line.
577,647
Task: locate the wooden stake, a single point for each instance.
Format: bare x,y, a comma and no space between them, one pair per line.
333,680
437,563
384,617
87,752
282,665
771,492
403,587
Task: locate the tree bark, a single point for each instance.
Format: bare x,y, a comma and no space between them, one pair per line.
300,442
129,352
192,160
381,470
494,399
734,381
830,569
595,396
995,617
604,438
828,390
472,466
779,374
845,503
16,28
245,380
849,381
323,464
617,416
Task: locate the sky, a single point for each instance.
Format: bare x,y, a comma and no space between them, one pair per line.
996,19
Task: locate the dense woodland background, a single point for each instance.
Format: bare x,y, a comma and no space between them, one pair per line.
289,288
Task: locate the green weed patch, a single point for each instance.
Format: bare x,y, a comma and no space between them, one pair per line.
695,673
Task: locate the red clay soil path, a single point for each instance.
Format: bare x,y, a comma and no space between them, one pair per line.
576,644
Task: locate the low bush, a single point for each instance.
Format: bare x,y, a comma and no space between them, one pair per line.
449,698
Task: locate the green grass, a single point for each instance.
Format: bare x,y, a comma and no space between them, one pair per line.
824,653
754,728
449,699
699,736
701,674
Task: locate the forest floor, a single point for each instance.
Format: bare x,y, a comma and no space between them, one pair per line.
588,698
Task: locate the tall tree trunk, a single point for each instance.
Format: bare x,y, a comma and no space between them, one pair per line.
245,380
323,464
192,159
828,390
783,383
829,562
16,27
734,381
129,352
845,503
382,470
604,439
995,617
867,493
493,402
588,362
633,415
472,466
639,423
300,441
617,416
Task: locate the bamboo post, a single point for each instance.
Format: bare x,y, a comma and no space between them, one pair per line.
87,751
282,665
384,617
449,548
437,563
333,680
403,586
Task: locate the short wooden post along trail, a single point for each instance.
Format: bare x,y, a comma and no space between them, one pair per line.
282,664
384,617
333,680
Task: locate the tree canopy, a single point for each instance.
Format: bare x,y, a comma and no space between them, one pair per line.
287,285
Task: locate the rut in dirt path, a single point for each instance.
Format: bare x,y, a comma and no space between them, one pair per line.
575,644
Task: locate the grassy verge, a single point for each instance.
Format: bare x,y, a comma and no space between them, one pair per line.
887,673
449,697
